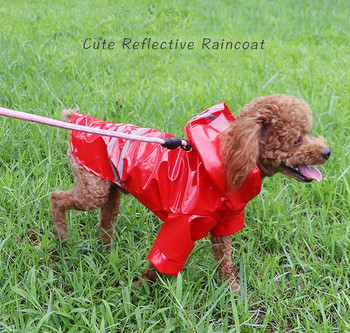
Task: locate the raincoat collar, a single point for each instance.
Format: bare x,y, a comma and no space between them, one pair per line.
203,133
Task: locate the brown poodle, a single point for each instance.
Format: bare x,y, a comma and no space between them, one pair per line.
270,132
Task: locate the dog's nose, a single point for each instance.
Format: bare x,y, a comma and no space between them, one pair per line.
326,152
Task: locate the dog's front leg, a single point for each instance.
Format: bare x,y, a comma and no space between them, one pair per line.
149,275
222,253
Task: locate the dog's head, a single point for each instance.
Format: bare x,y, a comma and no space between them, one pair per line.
272,132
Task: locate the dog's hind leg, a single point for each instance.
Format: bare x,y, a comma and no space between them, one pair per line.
90,192
109,212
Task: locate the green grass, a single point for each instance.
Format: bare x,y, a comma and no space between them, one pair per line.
293,254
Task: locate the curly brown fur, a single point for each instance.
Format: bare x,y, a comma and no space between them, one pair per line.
90,192
222,254
270,131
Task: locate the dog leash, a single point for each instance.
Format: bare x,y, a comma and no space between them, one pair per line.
170,143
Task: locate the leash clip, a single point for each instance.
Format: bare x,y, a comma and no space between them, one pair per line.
187,146
173,143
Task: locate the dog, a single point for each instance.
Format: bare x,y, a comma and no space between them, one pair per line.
270,135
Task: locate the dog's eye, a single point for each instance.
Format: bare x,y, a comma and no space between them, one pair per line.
298,142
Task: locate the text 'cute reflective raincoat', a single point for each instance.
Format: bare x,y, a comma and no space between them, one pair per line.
186,189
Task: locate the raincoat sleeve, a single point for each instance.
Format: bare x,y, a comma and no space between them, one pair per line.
232,225
176,239
238,200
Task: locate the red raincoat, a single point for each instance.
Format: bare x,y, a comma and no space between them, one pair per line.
186,189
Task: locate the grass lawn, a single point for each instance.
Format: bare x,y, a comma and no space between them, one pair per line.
292,255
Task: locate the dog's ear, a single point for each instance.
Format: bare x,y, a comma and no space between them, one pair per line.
240,150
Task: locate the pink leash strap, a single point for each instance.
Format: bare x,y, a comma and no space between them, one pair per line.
170,143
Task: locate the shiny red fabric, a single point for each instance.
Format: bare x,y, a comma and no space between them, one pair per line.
184,189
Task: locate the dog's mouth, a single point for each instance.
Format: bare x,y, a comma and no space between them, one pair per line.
304,173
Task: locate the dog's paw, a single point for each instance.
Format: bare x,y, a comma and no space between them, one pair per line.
235,286
138,282
148,276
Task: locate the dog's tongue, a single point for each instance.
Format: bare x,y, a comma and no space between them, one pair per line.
310,172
